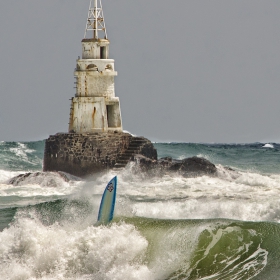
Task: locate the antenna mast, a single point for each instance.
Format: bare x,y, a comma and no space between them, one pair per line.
95,20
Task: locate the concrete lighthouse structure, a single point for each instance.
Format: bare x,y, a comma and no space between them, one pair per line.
95,107
95,141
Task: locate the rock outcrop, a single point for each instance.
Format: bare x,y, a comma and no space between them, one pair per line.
45,179
188,167
83,155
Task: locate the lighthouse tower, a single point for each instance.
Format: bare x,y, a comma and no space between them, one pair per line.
95,107
95,141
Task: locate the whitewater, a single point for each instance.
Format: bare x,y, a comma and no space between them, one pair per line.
170,227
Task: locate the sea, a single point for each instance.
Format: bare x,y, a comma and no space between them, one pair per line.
165,227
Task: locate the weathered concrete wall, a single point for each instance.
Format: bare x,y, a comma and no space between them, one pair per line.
102,65
94,114
85,154
95,83
91,48
95,107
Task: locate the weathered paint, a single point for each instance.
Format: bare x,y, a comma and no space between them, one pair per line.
89,114
95,107
96,49
102,65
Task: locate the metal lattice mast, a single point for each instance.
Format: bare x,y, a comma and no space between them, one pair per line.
95,20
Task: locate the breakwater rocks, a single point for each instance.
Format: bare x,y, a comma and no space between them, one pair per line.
44,179
188,167
86,154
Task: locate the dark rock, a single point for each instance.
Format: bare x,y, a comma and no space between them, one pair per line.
144,162
15,180
83,155
189,167
175,165
196,166
168,159
52,179
72,153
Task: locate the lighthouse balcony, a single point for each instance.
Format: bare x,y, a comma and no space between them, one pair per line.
95,73
97,65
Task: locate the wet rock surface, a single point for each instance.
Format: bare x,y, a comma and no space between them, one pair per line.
42,178
86,154
188,167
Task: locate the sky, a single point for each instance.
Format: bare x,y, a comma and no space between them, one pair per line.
204,71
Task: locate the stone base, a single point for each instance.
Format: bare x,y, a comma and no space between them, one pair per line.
86,154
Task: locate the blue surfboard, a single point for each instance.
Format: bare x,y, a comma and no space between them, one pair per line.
107,205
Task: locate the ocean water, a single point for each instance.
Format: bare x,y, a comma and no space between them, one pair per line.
170,227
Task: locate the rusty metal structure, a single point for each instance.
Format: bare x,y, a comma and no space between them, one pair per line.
95,20
95,108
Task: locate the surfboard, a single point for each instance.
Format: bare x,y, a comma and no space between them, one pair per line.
107,205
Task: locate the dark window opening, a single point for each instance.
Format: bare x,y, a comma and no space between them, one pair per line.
92,67
110,116
103,52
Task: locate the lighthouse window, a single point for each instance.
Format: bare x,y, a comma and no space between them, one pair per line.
110,115
102,52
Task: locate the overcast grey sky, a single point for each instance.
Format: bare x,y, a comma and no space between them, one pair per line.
188,70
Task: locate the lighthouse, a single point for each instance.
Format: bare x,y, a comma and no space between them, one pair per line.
95,141
95,108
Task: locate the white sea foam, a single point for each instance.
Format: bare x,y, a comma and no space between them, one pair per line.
126,131
35,189
6,175
268,146
18,158
233,195
20,151
182,157
73,249
204,156
30,250
77,250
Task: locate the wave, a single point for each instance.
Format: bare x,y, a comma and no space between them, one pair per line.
167,227
246,157
33,188
232,194
240,196
28,156
35,246
17,156
164,228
